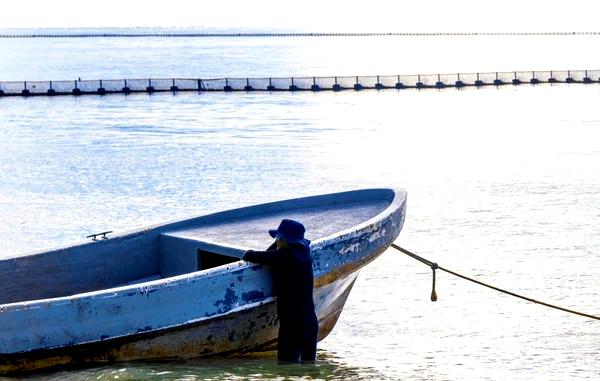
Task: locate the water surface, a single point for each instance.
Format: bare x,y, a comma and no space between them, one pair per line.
503,184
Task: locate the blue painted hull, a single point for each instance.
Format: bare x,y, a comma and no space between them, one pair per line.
188,311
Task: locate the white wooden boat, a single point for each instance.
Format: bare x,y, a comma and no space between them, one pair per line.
180,290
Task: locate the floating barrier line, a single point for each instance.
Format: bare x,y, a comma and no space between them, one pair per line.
434,266
287,34
314,84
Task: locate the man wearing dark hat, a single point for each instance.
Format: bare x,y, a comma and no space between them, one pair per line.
293,278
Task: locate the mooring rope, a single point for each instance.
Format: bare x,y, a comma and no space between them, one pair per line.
434,266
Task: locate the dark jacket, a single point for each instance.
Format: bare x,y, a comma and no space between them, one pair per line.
293,281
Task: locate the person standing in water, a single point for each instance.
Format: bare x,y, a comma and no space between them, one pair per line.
293,279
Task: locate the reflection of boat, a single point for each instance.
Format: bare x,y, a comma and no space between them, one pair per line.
179,290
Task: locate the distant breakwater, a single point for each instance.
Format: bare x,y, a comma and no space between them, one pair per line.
314,84
285,34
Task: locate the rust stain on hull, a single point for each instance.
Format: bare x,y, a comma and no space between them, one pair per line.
245,331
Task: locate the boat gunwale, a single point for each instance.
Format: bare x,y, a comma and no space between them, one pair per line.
174,223
399,196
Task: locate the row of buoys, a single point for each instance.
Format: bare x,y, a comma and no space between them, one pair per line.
315,84
287,34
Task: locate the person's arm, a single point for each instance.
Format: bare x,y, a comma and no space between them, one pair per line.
269,257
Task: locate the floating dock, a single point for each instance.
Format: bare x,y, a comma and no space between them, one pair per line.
314,84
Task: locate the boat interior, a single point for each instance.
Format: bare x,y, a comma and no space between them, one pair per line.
178,248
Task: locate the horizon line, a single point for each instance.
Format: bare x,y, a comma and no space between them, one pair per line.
284,34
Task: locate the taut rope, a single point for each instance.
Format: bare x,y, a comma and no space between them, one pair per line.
434,266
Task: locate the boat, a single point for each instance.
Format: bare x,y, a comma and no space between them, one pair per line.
180,290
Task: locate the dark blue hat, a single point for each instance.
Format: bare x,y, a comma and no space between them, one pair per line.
291,231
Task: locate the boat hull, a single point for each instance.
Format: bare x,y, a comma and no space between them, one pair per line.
227,309
252,329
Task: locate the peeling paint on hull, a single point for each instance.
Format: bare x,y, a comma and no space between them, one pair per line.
251,330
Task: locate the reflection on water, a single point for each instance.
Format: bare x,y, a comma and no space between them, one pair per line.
251,367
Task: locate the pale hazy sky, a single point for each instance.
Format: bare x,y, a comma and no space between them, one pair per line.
315,15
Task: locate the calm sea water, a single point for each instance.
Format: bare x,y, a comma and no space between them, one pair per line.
504,185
